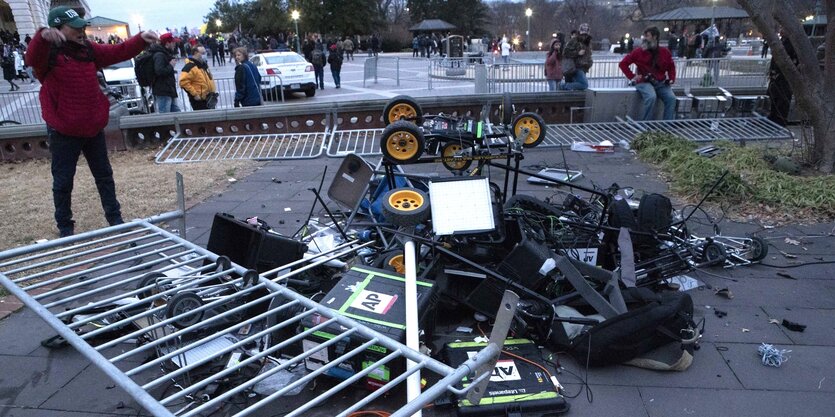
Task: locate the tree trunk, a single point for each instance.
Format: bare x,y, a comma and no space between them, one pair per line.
813,87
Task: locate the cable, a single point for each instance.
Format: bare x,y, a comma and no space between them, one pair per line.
799,265
513,355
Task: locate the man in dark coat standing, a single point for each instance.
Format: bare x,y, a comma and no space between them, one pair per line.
165,83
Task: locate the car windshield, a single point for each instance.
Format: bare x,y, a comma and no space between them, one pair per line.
283,59
123,64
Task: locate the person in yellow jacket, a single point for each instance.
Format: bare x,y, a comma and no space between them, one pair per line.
197,81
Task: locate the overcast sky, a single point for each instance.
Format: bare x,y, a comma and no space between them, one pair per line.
153,14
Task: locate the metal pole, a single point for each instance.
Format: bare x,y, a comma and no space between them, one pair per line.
412,337
528,34
298,48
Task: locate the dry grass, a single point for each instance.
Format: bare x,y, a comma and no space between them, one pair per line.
143,188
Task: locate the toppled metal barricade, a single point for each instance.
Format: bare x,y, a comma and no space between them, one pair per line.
184,331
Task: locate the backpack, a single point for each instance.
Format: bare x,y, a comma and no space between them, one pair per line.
144,69
317,58
653,320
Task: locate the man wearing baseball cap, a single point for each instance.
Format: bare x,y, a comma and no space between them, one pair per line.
165,82
74,107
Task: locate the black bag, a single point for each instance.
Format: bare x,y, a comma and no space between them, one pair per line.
211,100
144,69
653,320
568,67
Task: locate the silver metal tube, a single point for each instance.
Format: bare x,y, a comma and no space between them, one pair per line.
412,325
141,396
87,262
119,284
289,387
485,355
206,381
163,323
344,384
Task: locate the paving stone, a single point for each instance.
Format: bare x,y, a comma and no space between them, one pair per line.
28,381
607,401
42,412
809,368
729,328
706,402
820,324
780,292
708,369
21,333
93,391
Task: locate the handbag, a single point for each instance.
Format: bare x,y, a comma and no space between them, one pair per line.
211,100
568,67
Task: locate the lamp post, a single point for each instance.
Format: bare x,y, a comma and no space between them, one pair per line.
218,23
713,15
528,13
295,15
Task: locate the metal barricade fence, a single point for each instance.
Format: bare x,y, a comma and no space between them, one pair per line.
397,71
225,88
716,72
20,108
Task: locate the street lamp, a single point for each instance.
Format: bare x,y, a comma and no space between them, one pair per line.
138,20
295,15
713,15
218,23
528,13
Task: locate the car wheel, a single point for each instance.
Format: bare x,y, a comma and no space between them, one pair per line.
402,142
529,128
402,108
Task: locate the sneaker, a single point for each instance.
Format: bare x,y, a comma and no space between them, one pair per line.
65,233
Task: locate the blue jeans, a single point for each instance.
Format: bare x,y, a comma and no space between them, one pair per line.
649,94
552,85
336,77
65,151
319,72
577,81
166,104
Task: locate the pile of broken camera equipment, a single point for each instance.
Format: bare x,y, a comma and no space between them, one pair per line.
591,267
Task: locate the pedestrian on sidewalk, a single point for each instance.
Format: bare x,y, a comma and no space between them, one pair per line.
9,71
196,80
553,64
165,82
317,58
247,80
335,61
75,109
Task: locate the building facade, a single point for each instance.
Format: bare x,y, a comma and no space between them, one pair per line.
26,16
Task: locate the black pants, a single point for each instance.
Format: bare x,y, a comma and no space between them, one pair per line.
65,151
780,94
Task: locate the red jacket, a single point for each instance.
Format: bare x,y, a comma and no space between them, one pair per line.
72,101
665,70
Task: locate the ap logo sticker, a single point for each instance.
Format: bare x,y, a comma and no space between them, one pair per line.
374,302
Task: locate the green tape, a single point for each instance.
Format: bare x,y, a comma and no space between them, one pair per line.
392,277
357,292
504,399
482,344
478,132
375,321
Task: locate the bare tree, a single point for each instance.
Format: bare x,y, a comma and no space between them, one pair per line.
813,86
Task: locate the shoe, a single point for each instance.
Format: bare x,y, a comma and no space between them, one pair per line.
65,233
337,86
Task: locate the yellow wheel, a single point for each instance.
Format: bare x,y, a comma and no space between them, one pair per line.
397,263
402,142
402,108
529,128
406,206
450,149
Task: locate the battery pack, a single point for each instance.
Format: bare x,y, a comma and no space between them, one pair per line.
515,385
376,298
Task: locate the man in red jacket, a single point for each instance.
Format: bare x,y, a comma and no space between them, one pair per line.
656,72
74,107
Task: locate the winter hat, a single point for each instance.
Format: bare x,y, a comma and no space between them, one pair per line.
63,15
584,28
166,38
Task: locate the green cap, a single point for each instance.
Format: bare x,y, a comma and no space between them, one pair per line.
63,15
